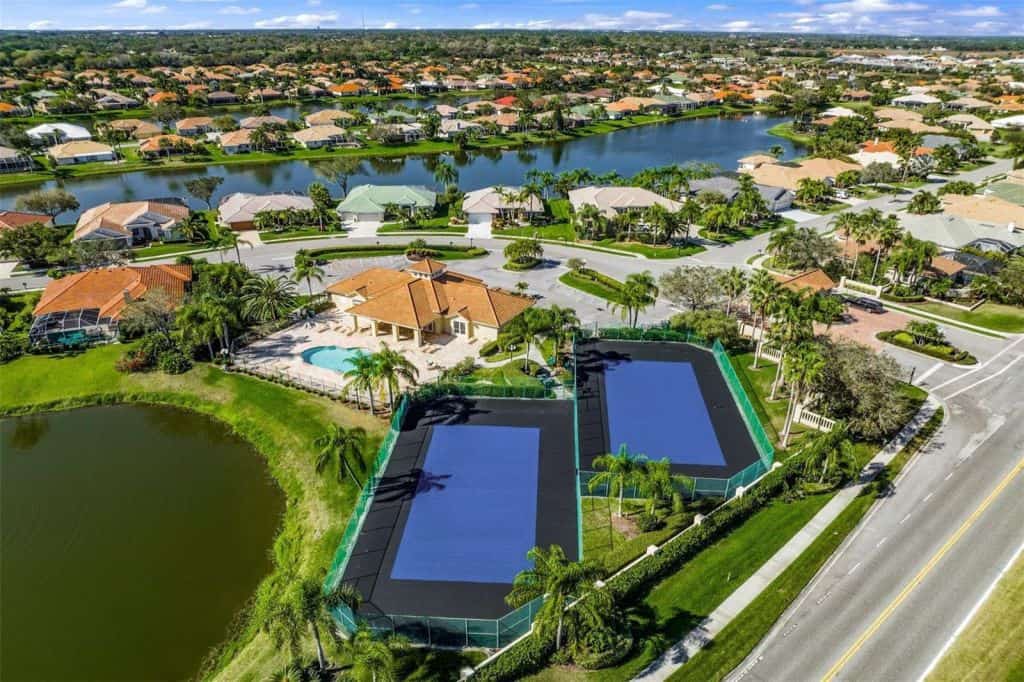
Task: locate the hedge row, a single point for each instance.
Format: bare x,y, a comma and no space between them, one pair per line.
532,653
599,277
398,248
939,351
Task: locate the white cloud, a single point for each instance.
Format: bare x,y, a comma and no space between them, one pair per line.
487,25
154,9
873,6
130,4
40,25
307,20
717,7
192,26
987,27
738,26
235,10
142,6
982,11
631,19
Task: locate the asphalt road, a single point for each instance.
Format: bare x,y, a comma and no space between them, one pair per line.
894,594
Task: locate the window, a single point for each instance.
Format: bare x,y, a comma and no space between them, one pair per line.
458,327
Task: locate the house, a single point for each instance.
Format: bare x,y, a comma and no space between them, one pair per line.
316,137
253,122
329,117
85,307
454,127
367,202
916,101
134,128
978,127
777,198
1009,123
14,161
12,219
789,176
612,201
810,281
985,208
506,123
749,163
424,300
165,145
446,111
969,104
884,151
85,151
57,132
236,141
955,232
239,210
482,206
622,108
131,222
113,100
220,97
197,125
159,98
399,133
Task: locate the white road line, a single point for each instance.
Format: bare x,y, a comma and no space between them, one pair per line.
929,495
948,476
881,542
979,367
855,567
904,519
930,371
971,613
988,378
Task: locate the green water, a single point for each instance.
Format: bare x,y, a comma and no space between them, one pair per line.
131,536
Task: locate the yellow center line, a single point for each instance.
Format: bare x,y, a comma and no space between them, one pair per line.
901,597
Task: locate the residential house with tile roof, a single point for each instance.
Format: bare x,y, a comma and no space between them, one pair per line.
130,222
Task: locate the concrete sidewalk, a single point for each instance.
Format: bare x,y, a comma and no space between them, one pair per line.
680,652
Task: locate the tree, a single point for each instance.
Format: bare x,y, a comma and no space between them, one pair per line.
445,174
348,446
638,293
306,268
924,202
315,607
763,290
33,244
268,298
947,159
203,188
373,659
364,375
831,453
528,327
392,366
590,219
226,238
618,472
692,285
659,484
688,214
813,192
793,326
154,314
803,365
524,251
887,235
195,228
845,224
734,284
563,323
559,581
717,218
52,202
323,204
958,187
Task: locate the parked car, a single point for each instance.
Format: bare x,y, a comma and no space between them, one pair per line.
868,304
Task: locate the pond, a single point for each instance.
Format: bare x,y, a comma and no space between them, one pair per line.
132,536
716,140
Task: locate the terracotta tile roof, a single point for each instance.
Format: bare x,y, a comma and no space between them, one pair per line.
11,219
115,216
946,266
815,280
109,290
986,209
410,299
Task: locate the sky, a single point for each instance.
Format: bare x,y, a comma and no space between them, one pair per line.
893,17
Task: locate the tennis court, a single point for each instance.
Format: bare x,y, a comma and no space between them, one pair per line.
662,400
472,485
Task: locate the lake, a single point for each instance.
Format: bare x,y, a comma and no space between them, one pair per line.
716,140
132,535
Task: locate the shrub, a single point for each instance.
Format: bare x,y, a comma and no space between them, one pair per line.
173,361
422,252
520,265
132,361
12,345
648,522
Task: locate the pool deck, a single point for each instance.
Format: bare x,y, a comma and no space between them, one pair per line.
281,352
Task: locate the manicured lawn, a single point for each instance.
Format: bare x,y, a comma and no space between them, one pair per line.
995,316
306,233
675,605
758,385
157,250
280,422
785,131
990,647
738,639
509,374
592,287
397,250
429,227
561,231
747,232
649,251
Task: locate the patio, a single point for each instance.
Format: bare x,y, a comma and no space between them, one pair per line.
280,354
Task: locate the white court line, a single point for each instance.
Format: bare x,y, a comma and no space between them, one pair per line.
970,615
979,367
988,378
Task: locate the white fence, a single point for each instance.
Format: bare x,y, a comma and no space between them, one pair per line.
852,285
813,419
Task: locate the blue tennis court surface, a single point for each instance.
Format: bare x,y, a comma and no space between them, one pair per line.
474,513
656,409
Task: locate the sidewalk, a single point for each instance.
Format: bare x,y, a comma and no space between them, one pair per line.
680,652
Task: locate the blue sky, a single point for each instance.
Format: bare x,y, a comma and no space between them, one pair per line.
900,17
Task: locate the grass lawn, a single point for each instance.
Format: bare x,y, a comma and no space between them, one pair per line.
785,131
439,225
280,422
307,233
758,385
747,232
396,250
649,251
990,647
675,605
561,231
509,374
157,250
592,287
995,316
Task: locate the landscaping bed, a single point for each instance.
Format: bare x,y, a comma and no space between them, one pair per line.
594,283
438,251
939,351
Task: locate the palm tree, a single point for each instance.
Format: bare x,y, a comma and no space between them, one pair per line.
763,290
620,471
804,365
688,214
225,239
734,283
445,174
830,451
392,366
528,327
559,581
347,445
887,236
196,328
373,659
793,326
639,292
845,223
718,217
306,268
590,219
563,323
315,606
364,375
222,316
659,483
268,298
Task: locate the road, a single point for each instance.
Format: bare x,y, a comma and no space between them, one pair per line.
894,594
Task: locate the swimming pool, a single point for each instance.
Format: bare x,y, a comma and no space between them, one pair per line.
332,357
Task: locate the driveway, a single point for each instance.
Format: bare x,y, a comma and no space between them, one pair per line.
861,326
